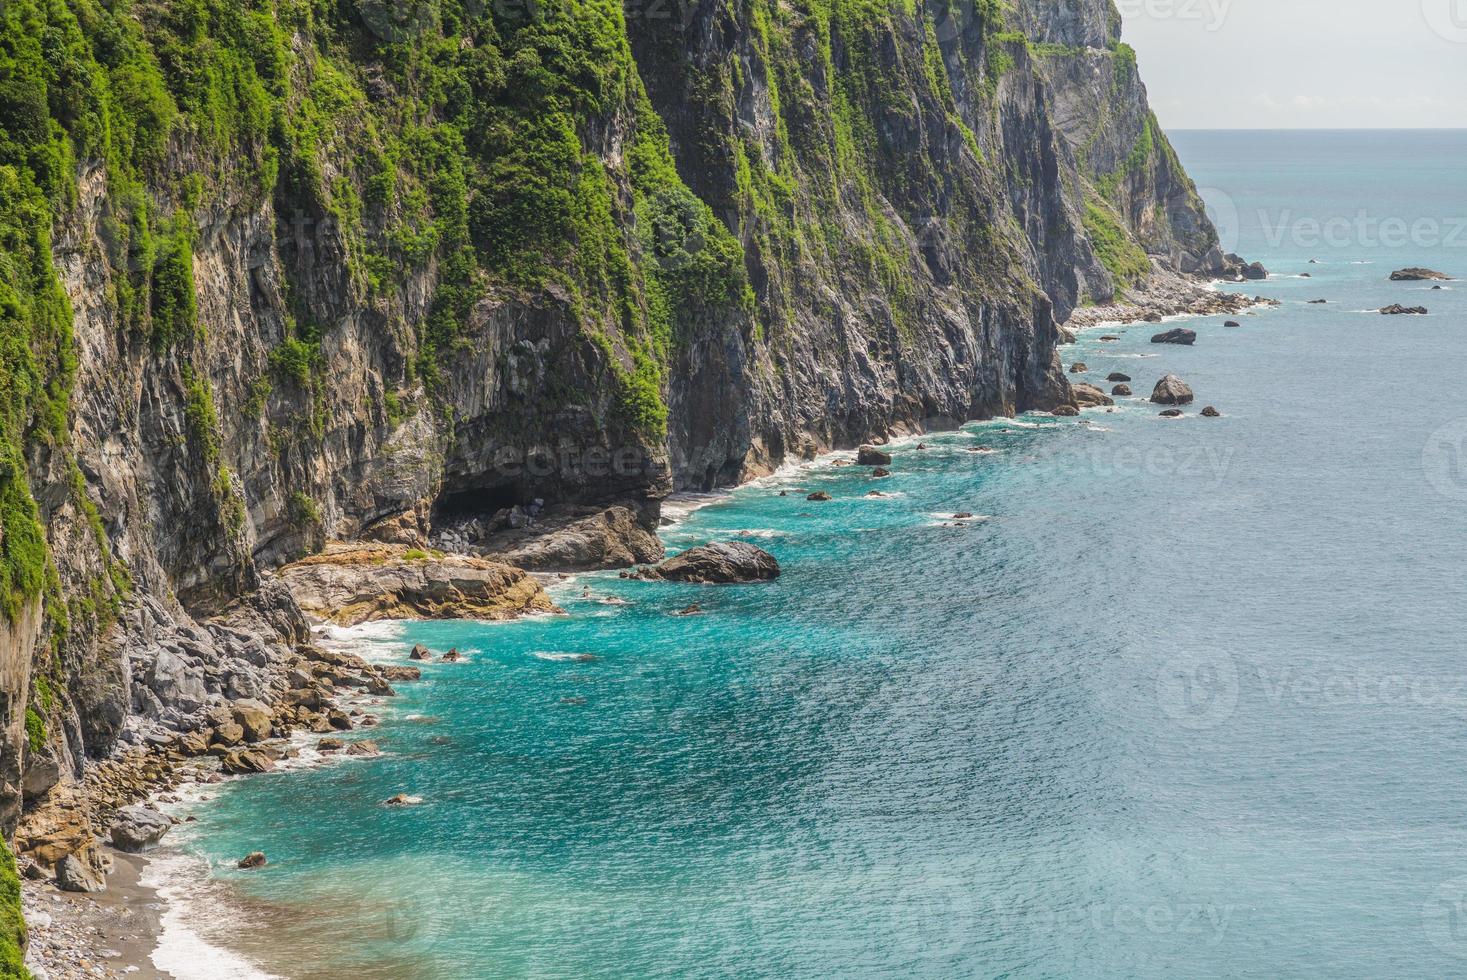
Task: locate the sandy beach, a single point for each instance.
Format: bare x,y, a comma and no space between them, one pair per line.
109,934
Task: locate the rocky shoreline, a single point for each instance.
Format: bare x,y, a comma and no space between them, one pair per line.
192,729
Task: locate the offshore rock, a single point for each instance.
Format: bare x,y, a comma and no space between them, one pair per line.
719,563
871,456
1416,274
1171,390
1180,335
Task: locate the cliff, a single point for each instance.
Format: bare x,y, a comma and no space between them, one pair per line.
281,273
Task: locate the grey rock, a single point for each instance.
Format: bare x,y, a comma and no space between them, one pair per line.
1179,335
75,874
1171,390
721,562
137,828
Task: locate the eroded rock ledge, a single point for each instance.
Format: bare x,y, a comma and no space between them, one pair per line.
351,582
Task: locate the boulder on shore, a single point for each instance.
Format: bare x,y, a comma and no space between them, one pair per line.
1417,274
1179,335
137,828
1171,390
871,456
75,874
719,563
1396,309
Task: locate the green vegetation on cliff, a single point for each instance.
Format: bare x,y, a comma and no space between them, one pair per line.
12,925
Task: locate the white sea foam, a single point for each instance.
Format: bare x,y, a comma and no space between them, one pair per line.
183,882
561,656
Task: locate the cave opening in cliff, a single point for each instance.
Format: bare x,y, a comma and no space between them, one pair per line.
467,503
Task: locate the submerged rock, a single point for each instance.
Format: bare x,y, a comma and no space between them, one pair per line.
722,562
819,496
1172,413
254,859
1172,390
880,472
1396,309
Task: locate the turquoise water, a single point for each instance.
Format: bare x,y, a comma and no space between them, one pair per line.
1189,700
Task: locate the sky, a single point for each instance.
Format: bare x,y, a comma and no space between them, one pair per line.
1302,64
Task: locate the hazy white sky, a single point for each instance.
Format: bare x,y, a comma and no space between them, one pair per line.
1296,64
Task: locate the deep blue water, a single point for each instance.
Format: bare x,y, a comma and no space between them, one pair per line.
1190,701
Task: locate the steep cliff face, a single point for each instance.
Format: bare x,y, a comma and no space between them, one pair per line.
278,273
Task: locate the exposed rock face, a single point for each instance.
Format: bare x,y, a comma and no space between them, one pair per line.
349,584
1418,275
1171,390
720,563
1180,335
75,874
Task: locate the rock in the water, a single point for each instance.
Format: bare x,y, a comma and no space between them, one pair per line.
1172,413
1171,390
819,496
1079,367
254,859
1117,376
880,471
452,656
1417,275
420,652
1121,391
693,610
719,563
1318,302
137,828
330,745
1396,309
1065,411
1255,271
1089,396
402,799
366,747
871,456
75,874
1179,335
1232,323
1211,413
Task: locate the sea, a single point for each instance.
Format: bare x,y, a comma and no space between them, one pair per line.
1181,697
